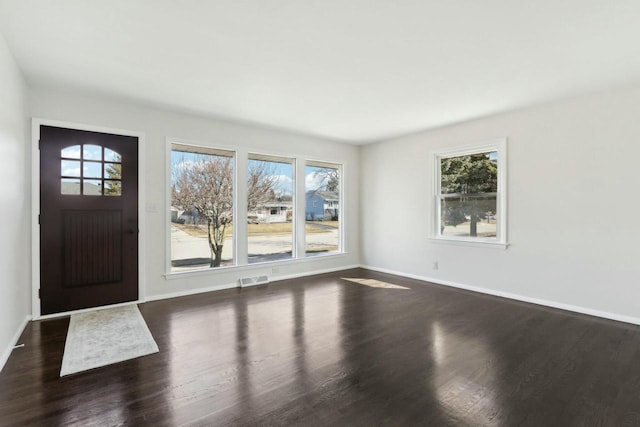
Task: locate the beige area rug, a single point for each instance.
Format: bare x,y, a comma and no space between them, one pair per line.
103,337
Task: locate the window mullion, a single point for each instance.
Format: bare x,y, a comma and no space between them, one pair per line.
299,210
240,202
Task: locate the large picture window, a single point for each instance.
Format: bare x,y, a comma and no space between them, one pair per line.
470,193
270,185
202,201
235,209
322,212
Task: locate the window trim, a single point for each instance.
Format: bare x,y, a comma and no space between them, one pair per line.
499,145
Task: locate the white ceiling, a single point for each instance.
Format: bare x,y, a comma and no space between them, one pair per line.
352,70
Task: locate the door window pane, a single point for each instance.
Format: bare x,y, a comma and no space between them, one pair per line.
69,168
112,188
92,187
69,186
113,171
72,152
92,170
111,156
92,152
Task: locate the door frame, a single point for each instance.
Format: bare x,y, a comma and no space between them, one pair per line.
35,210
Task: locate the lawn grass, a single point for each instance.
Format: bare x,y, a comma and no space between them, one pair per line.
335,224
274,228
258,229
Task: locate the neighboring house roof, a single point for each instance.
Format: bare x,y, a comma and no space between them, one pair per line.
330,196
277,205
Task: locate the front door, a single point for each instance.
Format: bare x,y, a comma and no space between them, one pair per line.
88,219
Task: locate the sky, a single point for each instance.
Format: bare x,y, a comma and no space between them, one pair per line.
284,171
91,152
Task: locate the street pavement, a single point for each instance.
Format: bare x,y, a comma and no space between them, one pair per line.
188,251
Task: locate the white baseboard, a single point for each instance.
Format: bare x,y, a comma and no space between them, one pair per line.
313,273
190,292
237,285
546,303
85,310
13,342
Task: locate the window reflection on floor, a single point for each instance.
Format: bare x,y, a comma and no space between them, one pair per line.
458,389
373,283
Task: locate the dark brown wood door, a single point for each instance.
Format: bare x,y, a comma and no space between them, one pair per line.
88,219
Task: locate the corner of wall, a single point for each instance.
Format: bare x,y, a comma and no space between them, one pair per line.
15,169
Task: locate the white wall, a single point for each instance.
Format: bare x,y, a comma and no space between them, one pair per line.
574,205
15,190
157,125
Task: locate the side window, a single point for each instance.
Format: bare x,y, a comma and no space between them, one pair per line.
470,193
322,208
90,170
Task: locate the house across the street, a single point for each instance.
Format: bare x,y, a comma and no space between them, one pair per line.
272,212
322,205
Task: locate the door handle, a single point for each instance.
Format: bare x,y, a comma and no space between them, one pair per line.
132,231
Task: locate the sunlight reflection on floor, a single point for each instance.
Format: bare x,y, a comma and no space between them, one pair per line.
373,283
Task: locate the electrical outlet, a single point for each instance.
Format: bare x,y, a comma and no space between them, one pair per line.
435,265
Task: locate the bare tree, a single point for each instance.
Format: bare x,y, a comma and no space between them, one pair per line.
206,186
329,179
261,184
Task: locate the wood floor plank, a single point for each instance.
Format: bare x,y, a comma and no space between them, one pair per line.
322,350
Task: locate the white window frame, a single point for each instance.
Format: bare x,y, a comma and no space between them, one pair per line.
294,232
499,145
341,221
177,145
241,156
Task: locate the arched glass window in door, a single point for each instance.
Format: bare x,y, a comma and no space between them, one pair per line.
90,170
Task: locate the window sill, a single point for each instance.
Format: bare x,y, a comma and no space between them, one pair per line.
467,242
173,275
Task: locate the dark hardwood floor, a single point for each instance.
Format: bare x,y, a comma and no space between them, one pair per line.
326,351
